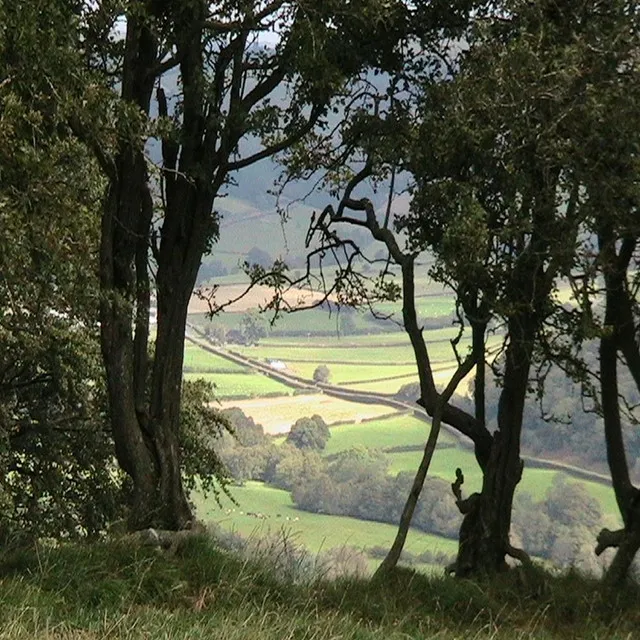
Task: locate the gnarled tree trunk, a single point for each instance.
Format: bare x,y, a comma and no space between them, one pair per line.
484,533
146,440
619,335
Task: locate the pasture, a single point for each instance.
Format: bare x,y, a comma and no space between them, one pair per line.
346,374
534,481
401,430
317,532
197,360
242,385
379,363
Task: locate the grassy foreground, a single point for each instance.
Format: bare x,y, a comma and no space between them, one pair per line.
120,590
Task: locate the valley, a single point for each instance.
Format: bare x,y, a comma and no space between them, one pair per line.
273,384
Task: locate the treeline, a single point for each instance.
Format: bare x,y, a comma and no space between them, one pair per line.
356,482
559,424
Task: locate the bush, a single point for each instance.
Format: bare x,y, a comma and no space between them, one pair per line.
322,373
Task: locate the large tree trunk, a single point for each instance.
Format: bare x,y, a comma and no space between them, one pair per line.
619,334
180,255
146,441
484,533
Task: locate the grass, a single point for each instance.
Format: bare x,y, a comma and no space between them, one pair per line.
198,360
242,385
432,306
397,431
383,386
534,481
392,356
396,338
349,373
317,532
120,590
400,355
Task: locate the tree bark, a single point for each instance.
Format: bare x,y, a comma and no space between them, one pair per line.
392,558
484,533
147,445
618,334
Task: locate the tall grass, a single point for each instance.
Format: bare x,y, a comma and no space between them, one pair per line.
120,590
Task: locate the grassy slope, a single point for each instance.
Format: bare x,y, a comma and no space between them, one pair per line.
397,431
348,373
198,360
376,435
534,481
119,590
286,410
317,532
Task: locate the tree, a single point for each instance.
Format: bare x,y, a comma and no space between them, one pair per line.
321,373
347,323
259,257
309,433
253,328
244,428
205,132
58,476
494,148
604,267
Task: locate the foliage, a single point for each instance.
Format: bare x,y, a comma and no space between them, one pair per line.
253,327
309,433
58,476
561,527
201,427
321,373
356,483
257,256
244,429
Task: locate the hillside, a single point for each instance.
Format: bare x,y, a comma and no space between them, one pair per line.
122,590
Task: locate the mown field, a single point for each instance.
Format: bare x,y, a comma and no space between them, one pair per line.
277,415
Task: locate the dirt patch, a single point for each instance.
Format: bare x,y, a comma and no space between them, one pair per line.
277,415
258,296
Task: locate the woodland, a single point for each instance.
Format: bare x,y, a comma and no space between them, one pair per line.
509,129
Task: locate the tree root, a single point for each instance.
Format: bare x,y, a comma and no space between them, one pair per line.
608,539
518,554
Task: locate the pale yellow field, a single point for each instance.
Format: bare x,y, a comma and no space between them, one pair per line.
258,296
277,415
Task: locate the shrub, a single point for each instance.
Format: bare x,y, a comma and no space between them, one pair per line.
322,373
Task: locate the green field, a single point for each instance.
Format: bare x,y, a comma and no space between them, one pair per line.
198,360
399,354
242,385
397,338
383,386
348,373
317,532
431,306
307,323
397,431
534,481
